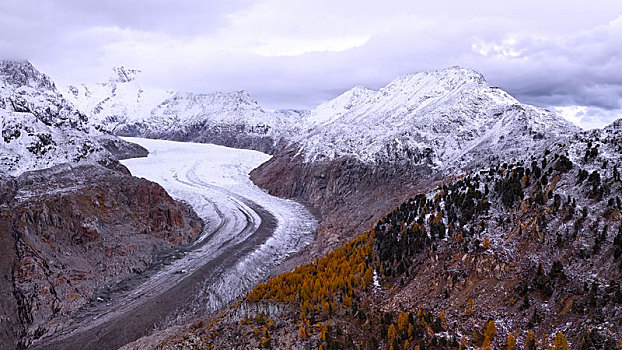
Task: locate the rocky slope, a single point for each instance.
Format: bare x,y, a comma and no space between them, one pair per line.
74,230
123,107
421,128
521,254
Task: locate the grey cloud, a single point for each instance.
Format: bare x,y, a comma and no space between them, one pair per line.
569,54
174,17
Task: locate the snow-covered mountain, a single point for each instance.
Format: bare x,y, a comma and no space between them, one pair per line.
40,128
123,107
445,119
119,101
364,150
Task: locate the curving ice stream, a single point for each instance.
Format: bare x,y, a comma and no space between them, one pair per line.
214,181
247,233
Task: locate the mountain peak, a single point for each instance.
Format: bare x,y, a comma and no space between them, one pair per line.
615,125
451,77
124,75
22,73
242,95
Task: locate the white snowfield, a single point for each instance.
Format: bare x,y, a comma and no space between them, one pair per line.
214,181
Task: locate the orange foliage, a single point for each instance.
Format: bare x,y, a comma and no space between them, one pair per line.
317,285
486,243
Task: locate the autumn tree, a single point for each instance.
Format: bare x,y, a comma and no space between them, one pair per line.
391,334
489,334
560,342
402,321
469,308
530,341
302,333
486,243
511,344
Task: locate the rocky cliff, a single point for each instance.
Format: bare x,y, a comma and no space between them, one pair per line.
70,231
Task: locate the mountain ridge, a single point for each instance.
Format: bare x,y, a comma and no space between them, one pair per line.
444,110
123,107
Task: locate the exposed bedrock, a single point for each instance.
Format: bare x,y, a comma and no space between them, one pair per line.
68,231
121,149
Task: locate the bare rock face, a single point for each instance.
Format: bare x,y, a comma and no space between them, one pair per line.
121,149
68,231
348,194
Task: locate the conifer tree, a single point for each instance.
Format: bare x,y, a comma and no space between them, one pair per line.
489,334
560,342
391,334
511,342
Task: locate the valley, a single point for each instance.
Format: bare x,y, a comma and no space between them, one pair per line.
247,233
435,212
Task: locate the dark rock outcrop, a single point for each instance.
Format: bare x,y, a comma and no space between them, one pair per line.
68,231
122,149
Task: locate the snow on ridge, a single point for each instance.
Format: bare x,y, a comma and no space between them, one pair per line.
21,73
437,118
440,119
124,75
40,128
125,107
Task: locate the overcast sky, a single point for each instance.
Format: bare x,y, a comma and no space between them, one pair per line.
297,54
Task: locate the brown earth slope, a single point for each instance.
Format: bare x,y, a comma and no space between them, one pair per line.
68,231
348,195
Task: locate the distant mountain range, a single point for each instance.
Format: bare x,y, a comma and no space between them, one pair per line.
123,107
444,119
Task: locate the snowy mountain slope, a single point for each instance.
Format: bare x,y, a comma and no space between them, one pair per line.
230,119
444,118
39,127
331,110
362,152
123,107
118,101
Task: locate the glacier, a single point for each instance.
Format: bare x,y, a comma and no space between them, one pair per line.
214,181
247,233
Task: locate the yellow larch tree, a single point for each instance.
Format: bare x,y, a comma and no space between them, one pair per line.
560,342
